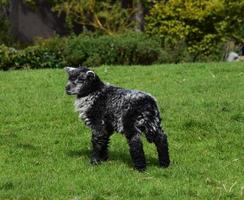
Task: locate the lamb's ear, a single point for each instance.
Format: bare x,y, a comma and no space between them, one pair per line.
69,69
90,74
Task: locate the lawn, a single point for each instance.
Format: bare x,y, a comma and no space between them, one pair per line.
45,148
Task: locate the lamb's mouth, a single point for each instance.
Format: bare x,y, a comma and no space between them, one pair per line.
68,92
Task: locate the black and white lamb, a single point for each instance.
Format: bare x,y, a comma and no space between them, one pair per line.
106,108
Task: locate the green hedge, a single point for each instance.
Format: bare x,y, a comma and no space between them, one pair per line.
128,49
93,51
31,57
45,54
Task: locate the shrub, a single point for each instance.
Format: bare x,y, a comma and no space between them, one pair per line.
202,25
92,51
107,17
4,57
37,56
133,48
126,49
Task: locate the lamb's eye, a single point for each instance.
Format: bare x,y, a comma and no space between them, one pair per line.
80,80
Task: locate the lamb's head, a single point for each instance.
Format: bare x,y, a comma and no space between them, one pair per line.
81,81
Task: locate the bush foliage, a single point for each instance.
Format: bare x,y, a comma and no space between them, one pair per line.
133,48
202,25
93,51
43,55
105,17
175,31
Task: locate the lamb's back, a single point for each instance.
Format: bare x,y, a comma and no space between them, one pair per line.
122,102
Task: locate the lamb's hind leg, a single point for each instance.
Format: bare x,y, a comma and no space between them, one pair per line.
159,138
161,142
133,138
136,151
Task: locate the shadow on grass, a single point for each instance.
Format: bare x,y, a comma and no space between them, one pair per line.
26,146
113,156
7,186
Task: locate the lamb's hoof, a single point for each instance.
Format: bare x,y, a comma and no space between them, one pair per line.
164,164
95,161
104,157
140,168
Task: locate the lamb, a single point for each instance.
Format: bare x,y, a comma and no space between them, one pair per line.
107,109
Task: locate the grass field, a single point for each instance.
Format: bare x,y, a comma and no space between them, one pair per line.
45,149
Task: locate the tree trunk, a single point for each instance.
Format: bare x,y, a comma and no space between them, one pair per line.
139,16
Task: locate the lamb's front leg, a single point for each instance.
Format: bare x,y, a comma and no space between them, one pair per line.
100,140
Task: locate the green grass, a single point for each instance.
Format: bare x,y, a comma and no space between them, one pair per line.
44,148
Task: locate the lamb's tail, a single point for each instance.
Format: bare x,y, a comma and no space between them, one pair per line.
151,130
150,124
